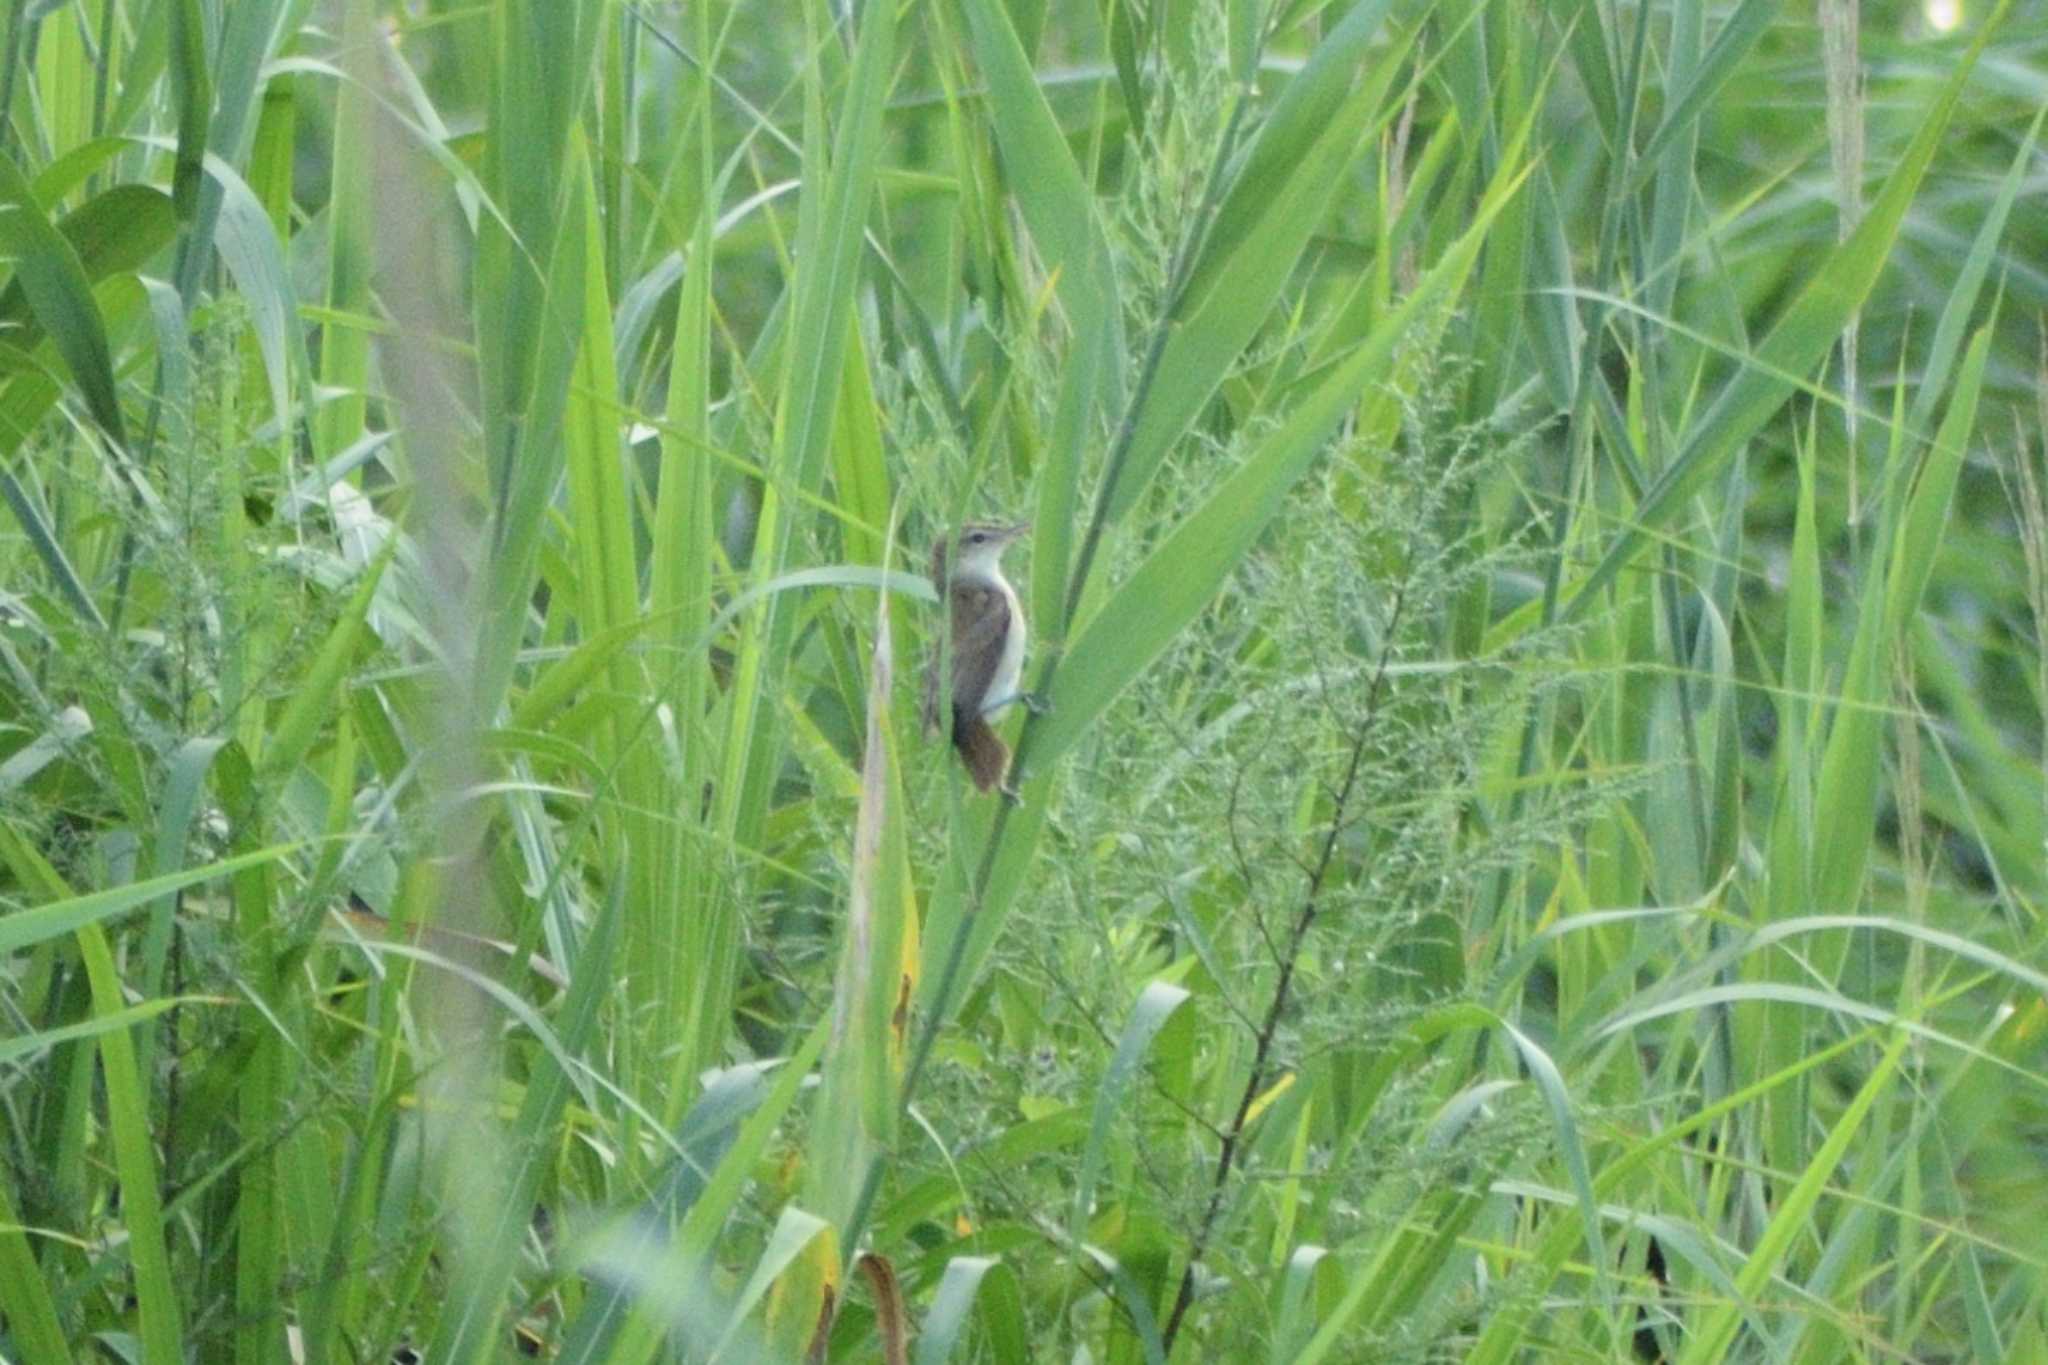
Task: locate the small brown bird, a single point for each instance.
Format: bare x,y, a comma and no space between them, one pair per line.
987,647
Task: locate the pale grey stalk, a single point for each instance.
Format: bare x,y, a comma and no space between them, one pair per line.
2033,506
1840,51
427,393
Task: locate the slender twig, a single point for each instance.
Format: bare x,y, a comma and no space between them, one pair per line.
1244,873
1262,1052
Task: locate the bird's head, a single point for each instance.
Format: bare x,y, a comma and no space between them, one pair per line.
981,545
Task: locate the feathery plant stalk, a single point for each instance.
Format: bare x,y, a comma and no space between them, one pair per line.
1344,759
1262,1047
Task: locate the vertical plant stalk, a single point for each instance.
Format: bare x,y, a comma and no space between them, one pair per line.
2033,507
457,1085
2037,554
1179,276
1840,54
1290,955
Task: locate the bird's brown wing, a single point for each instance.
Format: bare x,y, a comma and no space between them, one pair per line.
981,622
983,751
981,618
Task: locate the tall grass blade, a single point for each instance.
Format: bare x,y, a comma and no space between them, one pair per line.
1795,345
1791,1220
831,223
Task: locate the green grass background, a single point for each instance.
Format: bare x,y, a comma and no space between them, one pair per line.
1535,844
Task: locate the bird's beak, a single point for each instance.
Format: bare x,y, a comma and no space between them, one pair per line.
1017,532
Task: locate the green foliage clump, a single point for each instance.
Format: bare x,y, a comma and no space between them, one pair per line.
1526,837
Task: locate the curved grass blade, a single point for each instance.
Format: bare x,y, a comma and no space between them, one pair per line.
829,242
1962,299
1738,35
796,1235
32,1318
1790,1220
128,1122
1294,1323
970,1280
60,916
1157,1004
248,245
113,232
1177,580
59,292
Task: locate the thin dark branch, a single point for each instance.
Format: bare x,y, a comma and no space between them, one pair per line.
1222,989
1244,872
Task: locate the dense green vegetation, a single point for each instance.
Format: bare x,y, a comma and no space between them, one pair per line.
1533,847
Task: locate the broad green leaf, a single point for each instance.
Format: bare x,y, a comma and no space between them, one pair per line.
1281,196
43,539
249,247
244,39
59,293
719,1143
1051,191
1296,1319
193,85
1068,236
951,1307
719,1188
113,232
1178,578
858,1097
797,1237
68,914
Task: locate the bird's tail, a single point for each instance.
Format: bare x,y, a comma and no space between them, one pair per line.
983,751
